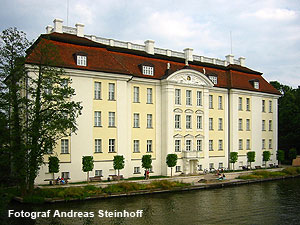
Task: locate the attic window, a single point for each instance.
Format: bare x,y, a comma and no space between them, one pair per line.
148,70
255,83
81,60
214,79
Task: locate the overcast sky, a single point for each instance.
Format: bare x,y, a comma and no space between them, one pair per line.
267,32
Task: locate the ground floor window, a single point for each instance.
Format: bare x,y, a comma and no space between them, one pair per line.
211,165
200,167
65,175
220,165
136,170
98,173
178,168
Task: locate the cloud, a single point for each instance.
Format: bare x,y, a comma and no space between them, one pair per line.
273,14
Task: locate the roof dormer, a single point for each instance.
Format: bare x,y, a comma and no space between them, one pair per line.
255,83
147,69
81,58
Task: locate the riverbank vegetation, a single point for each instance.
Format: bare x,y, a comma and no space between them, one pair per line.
269,174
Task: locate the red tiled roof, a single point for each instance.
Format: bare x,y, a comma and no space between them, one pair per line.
124,61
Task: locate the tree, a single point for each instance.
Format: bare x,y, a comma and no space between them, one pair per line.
280,156
292,154
251,157
87,165
266,157
119,163
53,165
146,162
233,158
171,161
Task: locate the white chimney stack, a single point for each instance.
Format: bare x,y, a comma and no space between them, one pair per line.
229,59
49,29
58,25
80,29
149,44
188,54
242,61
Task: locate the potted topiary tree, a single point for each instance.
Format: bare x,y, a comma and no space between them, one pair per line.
251,157
266,157
280,156
87,165
233,158
171,161
53,165
119,163
146,163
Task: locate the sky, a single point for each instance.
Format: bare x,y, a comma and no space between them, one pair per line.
265,32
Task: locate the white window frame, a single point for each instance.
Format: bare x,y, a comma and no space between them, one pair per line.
148,70
211,124
111,91
240,144
199,145
211,102
177,145
263,125
248,104
270,125
240,124
136,94
98,145
149,96
97,118
240,103
220,145
111,145
263,106
199,122
221,165
188,97
64,146
247,124
149,146
256,84
263,143
136,170
178,169
136,146
149,121
111,119
270,106
220,103
136,120
177,97
188,121
188,145
81,60
220,124
177,119
98,173
270,143
199,98
214,79
97,90
248,144
210,145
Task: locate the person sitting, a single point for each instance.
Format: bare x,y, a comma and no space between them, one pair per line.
223,177
58,180
62,180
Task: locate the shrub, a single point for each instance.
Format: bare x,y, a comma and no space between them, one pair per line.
291,170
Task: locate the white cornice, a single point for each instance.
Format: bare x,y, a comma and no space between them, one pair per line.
253,93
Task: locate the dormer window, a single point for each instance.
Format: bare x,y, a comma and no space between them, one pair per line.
213,78
148,70
81,60
255,83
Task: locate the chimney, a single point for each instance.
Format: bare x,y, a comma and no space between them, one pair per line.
49,29
80,29
149,44
58,25
188,54
242,61
229,59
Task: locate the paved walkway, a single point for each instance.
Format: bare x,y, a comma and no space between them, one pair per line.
193,179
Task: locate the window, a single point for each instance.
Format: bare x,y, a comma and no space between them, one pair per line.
199,98
136,170
214,79
111,119
210,124
188,122
199,145
263,144
263,109
199,122
248,144
111,91
220,145
111,145
210,101
210,145
136,120
220,102
220,165
256,84
270,125
188,97
81,60
178,169
270,143
97,119
64,146
220,124
177,122
149,120
270,106
65,175
177,145
248,104
211,166
98,145
98,173
149,95
247,124
148,70
240,124
136,94
188,145
240,103
136,145
240,144
149,145
200,167
177,96
263,125
97,87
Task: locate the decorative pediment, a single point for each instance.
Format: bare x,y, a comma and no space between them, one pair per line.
190,77
199,111
177,110
188,111
177,136
188,136
199,136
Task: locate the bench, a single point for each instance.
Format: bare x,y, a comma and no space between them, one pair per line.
271,165
95,178
54,181
257,167
116,177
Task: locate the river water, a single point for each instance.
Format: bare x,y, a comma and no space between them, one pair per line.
275,202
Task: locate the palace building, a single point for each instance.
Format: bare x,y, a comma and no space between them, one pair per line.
139,99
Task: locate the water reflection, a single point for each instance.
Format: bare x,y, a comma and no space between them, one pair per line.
263,203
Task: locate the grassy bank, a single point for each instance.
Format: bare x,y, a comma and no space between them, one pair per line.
41,194
267,174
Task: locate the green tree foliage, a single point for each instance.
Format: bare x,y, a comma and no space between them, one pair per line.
266,156
146,162
53,165
288,117
280,156
233,157
251,157
119,163
87,165
171,161
292,154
